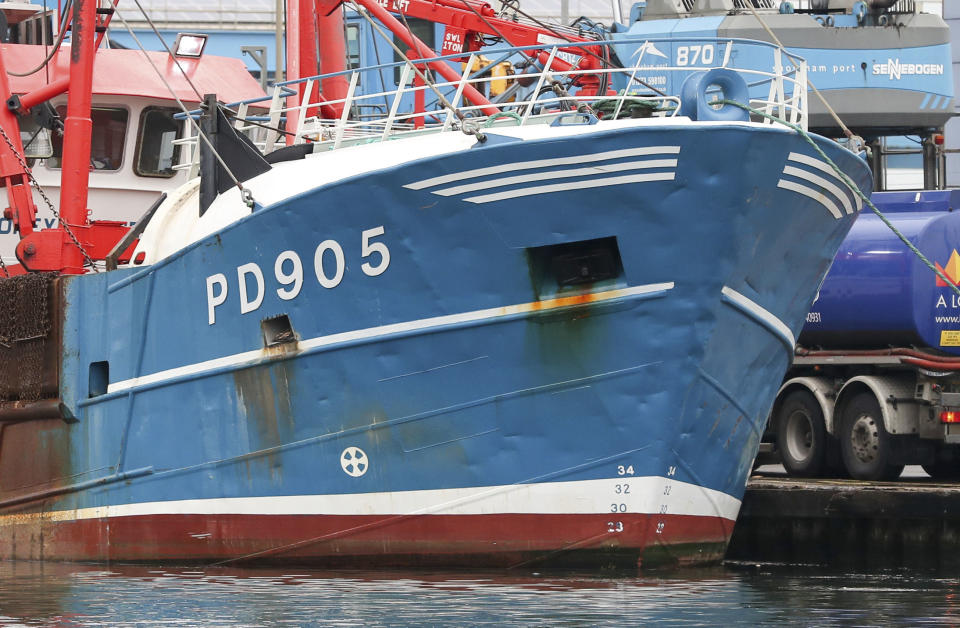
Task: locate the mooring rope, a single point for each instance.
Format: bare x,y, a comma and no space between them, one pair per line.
853,186
830,110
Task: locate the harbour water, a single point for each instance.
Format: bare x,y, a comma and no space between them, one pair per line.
45,594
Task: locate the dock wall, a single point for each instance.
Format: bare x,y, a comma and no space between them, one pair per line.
848,523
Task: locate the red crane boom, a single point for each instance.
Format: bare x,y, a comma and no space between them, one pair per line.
467,23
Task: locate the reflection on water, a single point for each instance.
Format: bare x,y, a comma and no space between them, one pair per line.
36,594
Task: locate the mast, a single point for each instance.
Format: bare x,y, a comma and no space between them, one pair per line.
316,45
76,239
302,58
77,130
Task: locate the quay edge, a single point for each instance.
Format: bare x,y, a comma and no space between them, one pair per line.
848,523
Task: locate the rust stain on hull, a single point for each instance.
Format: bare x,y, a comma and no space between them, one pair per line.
264,393
34,455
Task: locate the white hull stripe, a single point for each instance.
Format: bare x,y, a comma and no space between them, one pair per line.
543,163
584,497
558,174
373,333
575,185
761,314
825,168
819,197
817,180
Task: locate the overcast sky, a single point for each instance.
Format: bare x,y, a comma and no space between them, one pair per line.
234,13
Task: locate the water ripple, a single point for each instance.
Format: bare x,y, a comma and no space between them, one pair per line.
44,594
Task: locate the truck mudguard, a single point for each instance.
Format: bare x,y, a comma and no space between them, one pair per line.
822,390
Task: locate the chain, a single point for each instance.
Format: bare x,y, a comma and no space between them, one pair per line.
247,197
43,195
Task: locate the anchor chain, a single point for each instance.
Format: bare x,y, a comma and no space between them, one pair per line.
43,195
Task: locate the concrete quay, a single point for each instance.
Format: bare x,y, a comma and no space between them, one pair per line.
913,522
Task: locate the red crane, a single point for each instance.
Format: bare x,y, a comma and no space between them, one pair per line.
315,41
76,240
467,22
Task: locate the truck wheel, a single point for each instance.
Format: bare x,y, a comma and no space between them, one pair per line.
865,443
801,436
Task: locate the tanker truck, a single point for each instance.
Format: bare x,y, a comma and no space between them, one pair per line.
875,382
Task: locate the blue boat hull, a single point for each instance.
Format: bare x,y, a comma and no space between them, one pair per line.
399,368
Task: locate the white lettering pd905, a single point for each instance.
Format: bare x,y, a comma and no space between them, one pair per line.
294,278
251,269
338,264
213,300
329,265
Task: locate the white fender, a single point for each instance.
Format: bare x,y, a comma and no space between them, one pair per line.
822,390
899,418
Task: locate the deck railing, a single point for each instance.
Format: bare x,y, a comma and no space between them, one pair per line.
545,84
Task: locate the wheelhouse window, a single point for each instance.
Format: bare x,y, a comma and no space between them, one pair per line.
156,152
353,46
426,32
106,141
36,140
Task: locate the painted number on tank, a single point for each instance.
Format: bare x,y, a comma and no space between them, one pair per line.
660,527
618,508
692,55
622,489
329,267
622,470
614,526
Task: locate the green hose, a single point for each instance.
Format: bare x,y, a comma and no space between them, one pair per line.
502,114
